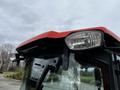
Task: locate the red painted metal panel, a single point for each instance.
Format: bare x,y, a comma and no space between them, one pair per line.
52,34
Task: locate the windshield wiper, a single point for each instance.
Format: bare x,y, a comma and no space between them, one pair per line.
51,65
39,85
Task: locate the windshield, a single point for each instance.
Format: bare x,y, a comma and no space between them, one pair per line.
77,77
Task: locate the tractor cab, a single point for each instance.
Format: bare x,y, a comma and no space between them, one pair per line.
85,59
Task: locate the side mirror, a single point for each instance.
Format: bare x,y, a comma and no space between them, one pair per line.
18,59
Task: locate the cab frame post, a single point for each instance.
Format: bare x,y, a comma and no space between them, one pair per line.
111,68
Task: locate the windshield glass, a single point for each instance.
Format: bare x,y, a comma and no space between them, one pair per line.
77,77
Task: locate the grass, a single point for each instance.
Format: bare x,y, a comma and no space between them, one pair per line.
88,79
52,77
18,74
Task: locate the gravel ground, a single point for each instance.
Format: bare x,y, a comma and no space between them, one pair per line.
9,84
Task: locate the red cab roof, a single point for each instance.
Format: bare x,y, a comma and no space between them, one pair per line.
53,34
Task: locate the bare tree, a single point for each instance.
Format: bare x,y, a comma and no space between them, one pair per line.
6,51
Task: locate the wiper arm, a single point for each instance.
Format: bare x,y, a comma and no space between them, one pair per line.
39,85
51,65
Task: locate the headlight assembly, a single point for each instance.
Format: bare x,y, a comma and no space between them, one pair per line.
84,40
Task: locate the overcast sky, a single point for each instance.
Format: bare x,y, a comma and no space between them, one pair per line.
23,19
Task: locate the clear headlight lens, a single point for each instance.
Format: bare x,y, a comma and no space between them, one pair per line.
84,40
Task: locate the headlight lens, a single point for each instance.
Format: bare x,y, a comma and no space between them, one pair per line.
84,40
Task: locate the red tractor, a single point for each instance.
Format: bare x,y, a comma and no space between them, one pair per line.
84,59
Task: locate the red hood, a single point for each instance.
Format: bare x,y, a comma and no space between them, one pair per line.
53,34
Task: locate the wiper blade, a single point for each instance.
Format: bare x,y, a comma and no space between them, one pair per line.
39,85
49,65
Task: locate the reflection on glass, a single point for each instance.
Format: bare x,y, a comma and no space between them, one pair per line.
77,77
